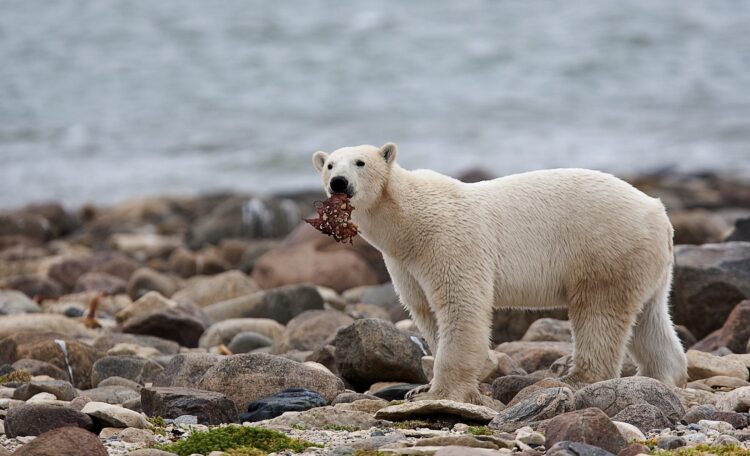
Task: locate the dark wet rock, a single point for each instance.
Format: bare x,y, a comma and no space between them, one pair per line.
741,231
504,389
35,419
709,281
100,282
311,330
540,405
186,369
373,350
247,341
62,390
613,396
395,392
291,400
247,378
36,367
549,330
644,416
534,356
64,441
109,340
211,408
576,449
12,301
137,369
173,324
144,280
73,312
280,304
35,285
590,426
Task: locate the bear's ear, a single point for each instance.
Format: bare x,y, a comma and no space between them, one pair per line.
389,151
319,159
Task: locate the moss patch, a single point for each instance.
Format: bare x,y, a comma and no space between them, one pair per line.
238,438
338,427
16,376
699,450
479,430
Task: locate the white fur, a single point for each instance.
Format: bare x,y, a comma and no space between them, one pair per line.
571,238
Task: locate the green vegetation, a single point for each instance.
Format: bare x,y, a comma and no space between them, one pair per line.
699,450
15,376
412,424
157,425
479,430
370,453
243,440
338,427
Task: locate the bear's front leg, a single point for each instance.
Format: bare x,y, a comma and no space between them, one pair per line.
463,307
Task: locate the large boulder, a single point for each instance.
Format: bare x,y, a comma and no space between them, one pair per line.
64,441
613,396
374,350
311,330
280,304
211,408
35,419
249,377
709,281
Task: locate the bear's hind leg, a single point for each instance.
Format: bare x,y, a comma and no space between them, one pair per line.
602,323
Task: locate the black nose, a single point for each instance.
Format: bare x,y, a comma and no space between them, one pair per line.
339,184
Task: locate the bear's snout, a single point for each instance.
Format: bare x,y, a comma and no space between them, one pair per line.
339,184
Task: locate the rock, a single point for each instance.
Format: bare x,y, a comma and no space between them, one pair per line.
312,329
361,310
145,280
247,341
247,378
698,413
134,350
108,341
741,230
737,420
670,442
613,396
735,401
183,262
465,441
576,449
349,396
690,397
504,389
114,416
149,302
36,367
498,365
644,416
13,302
541,384
65,441
736,330
453,450
210,408
291,400
61,390
207,290
432,408
540,405
43,347
120,381
385,297
113,394
186,369
590,426
324,417
172,324
629,432
150,452
512,324
709,280
135,435
222,332
549,329
704,365
100,282
67,270
687,339
36,419
41,323
393,392
280,304
35,285
372,350
137,369
534,356
698,226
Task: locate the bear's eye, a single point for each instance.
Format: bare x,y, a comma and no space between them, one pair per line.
330,166
360,163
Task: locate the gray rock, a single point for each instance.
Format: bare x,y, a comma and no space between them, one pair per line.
280,304
110,415
323,417
504,389
670,442
120,381
111,394
139,370
645,417
247,341
311,330
207,290
431,408
12,302
539,405
549,329
590,426
699,412
534,356
615,395
576,449
249,377
62,390
100,282
36,419
144,280
373,350
210,408
186,369
223,331
36,367
109,340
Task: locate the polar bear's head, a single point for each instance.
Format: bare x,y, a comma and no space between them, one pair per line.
361,172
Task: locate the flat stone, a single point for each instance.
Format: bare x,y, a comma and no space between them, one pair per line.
540,405
427,408
705,365
59,388
210,408
115,416
322,417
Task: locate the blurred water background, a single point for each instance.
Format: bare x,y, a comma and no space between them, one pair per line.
101,100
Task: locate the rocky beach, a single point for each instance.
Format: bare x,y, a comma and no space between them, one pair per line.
222,324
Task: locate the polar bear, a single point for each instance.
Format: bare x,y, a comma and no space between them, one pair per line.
571,238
